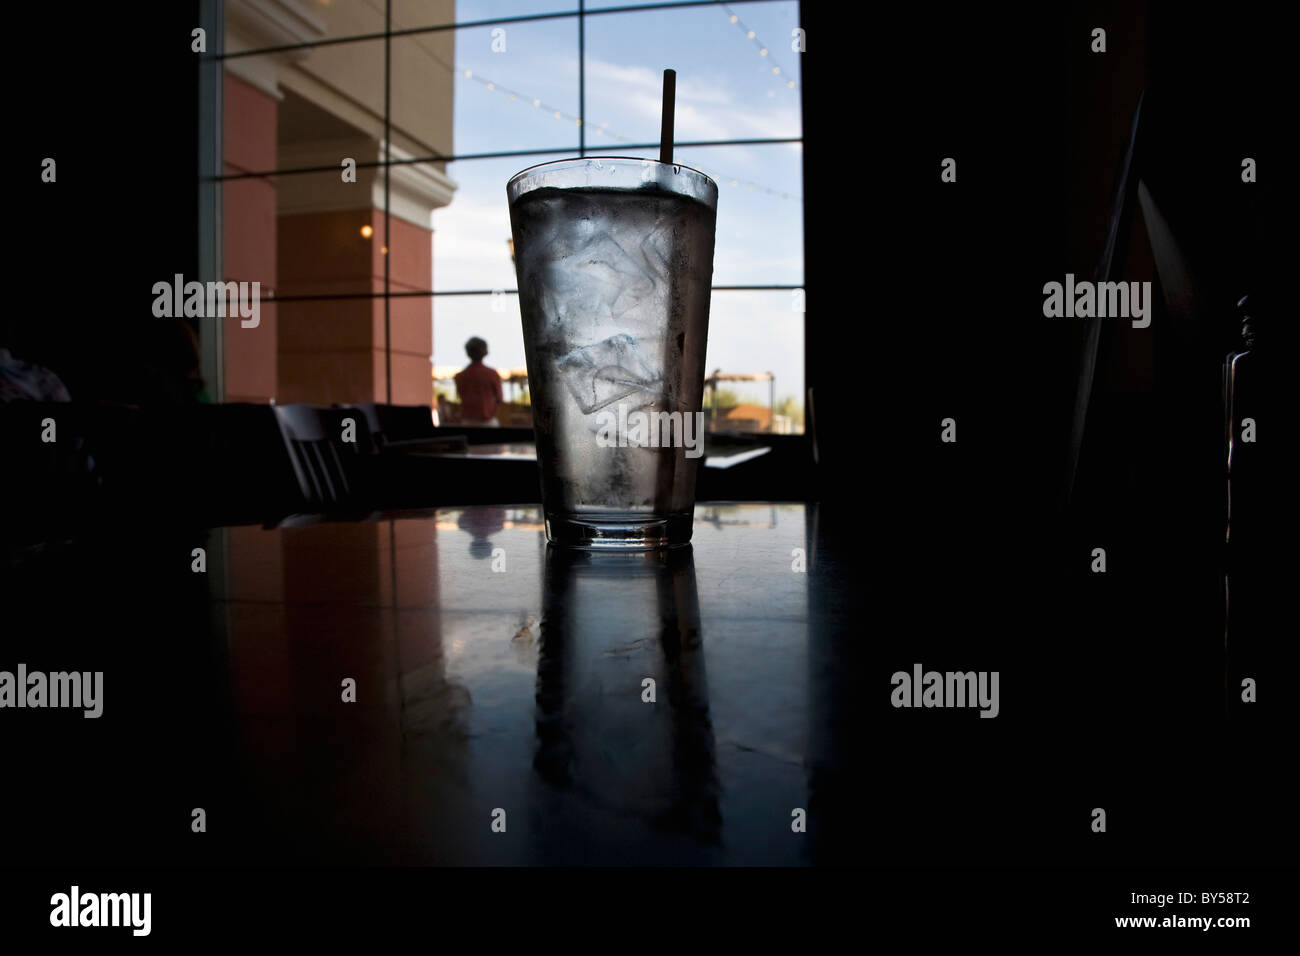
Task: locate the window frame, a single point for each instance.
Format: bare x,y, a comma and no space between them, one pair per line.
212,175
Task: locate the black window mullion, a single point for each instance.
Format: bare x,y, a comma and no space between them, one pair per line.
470,24
677,144
582,78
388,168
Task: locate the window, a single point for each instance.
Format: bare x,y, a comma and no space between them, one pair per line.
375,274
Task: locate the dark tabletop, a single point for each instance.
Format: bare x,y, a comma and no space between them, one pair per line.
496,674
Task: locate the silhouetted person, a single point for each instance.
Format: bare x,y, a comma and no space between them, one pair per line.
478,387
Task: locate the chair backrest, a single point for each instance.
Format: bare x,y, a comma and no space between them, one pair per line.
327,467
390,424
374,422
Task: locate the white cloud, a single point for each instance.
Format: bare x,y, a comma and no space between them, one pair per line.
469,245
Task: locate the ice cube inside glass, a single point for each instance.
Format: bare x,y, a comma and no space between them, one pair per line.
614,259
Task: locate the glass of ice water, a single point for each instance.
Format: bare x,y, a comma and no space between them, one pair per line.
614,258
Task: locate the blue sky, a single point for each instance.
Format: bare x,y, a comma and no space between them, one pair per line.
725,90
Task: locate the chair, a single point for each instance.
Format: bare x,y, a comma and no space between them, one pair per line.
331,472
370,410
395,426
406,430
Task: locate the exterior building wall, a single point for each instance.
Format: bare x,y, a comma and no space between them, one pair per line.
301,234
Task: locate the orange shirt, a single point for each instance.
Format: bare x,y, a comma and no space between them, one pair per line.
479,388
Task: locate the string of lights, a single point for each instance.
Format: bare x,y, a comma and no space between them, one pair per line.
762,48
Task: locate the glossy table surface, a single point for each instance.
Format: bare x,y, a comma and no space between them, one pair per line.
515,703
443,687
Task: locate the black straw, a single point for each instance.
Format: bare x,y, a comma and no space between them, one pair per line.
666,127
